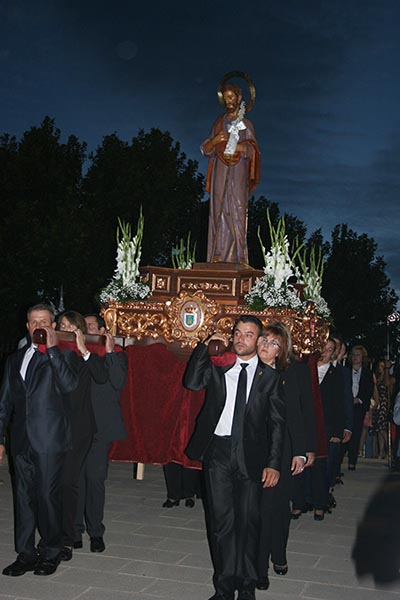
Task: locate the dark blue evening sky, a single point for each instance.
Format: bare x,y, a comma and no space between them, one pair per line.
326,72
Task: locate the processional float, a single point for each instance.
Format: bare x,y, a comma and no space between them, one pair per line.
186,306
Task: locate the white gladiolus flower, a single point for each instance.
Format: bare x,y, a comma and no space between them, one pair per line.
125,285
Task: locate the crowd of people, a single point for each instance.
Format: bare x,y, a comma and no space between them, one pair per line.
272,436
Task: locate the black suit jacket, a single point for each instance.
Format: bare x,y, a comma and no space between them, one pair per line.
264,421
333,402
300,416
348,396
105,396
38,409
365,390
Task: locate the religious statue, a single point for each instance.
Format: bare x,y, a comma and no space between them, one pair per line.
232,175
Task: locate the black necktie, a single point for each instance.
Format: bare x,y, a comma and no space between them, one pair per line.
238,417
32,364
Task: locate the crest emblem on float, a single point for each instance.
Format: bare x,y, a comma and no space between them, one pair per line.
191,315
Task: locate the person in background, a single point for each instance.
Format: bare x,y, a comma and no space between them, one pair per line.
362,389
337,361
83,427
105,401
182,484
380,413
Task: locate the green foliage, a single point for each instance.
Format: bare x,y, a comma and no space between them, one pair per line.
42,236
183,256
357,289
152,172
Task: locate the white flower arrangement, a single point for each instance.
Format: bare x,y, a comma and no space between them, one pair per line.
125,285
312,274
274,288
264,294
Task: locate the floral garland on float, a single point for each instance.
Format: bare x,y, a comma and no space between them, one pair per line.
125,286
288,283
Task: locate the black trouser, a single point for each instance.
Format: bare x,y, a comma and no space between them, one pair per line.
275,522
311,486
233,517
74,460
92,491
181,482
354,442
334,449
38,502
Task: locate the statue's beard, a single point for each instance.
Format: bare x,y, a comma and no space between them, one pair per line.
231,109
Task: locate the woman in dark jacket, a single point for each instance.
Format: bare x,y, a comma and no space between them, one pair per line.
274,349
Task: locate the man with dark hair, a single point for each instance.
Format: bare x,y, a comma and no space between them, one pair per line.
362,392
95,324
34,400
110,427
348,401
238,436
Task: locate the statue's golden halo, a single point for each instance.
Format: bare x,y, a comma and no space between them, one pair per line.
248,80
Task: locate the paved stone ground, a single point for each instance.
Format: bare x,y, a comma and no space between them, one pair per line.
161,554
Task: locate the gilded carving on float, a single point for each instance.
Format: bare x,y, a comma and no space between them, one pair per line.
161,283
205,285
190,317
245,286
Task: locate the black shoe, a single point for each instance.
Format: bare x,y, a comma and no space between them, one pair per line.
281,569
189,502
46,566
352,467
66,553
262,583
331,501
78,544
296,514
170,503
20,567
97,544
247,595
319,516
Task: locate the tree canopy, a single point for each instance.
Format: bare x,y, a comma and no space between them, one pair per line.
357,289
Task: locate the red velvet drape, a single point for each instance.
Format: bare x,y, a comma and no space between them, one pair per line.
159,413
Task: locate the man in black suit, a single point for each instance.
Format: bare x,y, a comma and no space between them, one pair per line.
110,427
238,436
333,403
34,400
363,389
